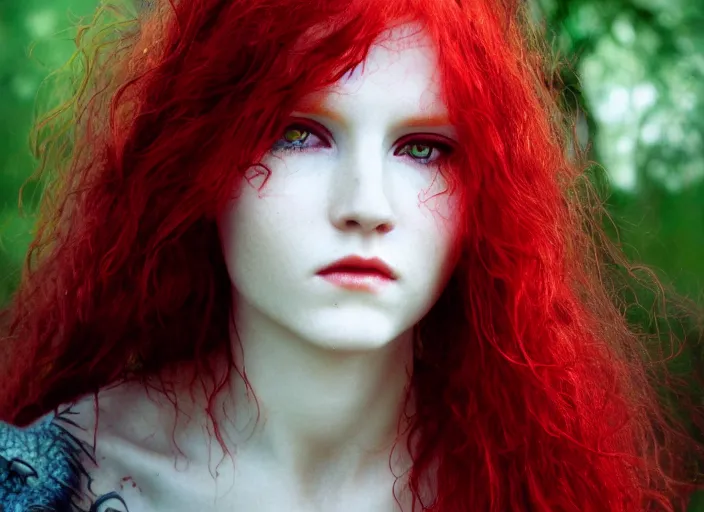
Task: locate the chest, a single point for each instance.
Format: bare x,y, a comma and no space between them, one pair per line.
145,485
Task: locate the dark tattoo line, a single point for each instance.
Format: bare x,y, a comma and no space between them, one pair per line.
77,447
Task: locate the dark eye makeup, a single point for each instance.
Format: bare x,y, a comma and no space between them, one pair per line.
423,149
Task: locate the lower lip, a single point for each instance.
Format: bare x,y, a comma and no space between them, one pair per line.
360,281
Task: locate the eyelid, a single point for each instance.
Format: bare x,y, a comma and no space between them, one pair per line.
314,126
443,143
439,141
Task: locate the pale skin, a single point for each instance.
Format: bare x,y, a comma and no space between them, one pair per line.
329,367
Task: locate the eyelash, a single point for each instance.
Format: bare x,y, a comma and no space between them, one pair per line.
444,149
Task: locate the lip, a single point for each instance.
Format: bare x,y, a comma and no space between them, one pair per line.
361,266
359,274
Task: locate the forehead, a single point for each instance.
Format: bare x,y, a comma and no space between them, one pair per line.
400,72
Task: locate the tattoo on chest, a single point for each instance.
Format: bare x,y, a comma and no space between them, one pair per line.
43,468
108,502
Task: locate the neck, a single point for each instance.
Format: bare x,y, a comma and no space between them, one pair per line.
321,409
316,416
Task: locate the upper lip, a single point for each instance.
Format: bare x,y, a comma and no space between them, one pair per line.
358,263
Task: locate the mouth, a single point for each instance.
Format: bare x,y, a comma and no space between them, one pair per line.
357,273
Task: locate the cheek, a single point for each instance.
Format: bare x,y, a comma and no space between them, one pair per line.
442,224
266,228
243,229
441,208
238,226
247,253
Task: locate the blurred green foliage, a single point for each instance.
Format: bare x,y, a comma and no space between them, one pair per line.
36,38
632,72
635,71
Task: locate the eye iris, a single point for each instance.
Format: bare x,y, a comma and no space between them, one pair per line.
420,151
295,135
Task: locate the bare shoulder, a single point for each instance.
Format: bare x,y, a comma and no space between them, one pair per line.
70,460
120,431
139,461
121,413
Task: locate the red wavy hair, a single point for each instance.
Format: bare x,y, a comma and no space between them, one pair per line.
532,392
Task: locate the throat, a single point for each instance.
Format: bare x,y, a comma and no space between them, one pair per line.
323,415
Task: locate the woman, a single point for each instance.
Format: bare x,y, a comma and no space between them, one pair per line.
342,240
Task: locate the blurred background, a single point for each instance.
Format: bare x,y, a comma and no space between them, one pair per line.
632,73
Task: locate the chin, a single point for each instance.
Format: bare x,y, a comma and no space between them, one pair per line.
352,344
355,333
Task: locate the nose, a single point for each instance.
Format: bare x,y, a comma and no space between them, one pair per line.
359,200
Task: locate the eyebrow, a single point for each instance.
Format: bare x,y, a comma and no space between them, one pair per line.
437,120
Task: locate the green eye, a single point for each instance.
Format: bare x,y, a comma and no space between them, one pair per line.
295,135
420,151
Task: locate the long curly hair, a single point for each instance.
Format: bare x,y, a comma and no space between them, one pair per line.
532,390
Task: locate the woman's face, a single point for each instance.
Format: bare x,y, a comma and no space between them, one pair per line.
355,173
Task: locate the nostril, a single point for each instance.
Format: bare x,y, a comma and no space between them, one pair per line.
384,228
